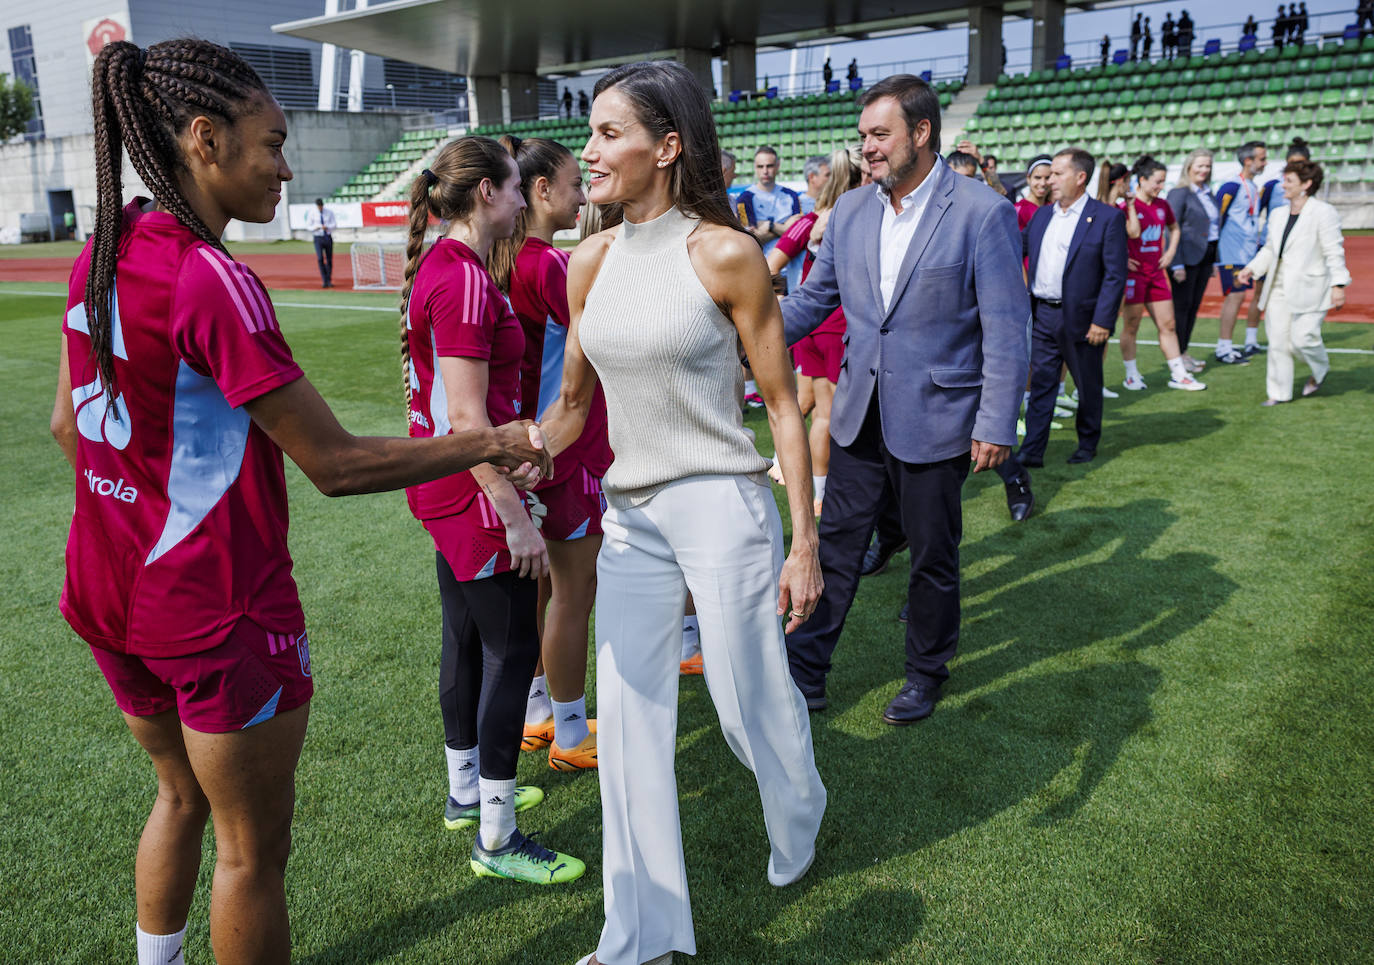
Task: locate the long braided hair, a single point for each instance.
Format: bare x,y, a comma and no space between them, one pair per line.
142,101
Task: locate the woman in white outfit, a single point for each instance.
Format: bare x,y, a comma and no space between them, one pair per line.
1304,258
662,306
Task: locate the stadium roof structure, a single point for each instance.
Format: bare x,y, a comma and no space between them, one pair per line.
489,38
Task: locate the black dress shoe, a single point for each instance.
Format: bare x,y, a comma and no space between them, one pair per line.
914,702
877,557
1082,455
1020,499
816,704
905,614
1031,462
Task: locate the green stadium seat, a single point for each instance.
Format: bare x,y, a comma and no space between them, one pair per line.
1190,108
1325,115
1309,98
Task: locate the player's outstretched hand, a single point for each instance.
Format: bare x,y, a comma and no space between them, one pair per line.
522,452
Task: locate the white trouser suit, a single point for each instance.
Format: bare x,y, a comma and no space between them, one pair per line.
719,537
690,510
1301,272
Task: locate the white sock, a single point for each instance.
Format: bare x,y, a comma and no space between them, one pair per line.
498,812
818,486
462,774
1061,389
570,722
1224,345
751,387
1251,336
160,949
1025,398
538,708
1177,368
691,636
1132,370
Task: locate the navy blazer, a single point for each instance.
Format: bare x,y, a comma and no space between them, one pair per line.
1095,271
948,356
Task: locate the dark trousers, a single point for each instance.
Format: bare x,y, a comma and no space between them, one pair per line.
490,649
324,257
928,500
1187,294
1052,347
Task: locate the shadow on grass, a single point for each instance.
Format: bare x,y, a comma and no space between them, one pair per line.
1044,695
1092,586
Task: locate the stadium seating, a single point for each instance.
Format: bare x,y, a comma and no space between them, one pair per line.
1119,112
389,165
797,127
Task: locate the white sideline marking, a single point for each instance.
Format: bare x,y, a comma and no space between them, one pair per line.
395,311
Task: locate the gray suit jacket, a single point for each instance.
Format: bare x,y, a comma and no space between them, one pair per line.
948,357
1193,225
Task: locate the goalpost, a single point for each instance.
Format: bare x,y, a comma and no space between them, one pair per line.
378,266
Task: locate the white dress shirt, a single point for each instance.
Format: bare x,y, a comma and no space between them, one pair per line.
898,229
1054,249
321,222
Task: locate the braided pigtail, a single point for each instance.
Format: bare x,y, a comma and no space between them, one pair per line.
415,246
141,101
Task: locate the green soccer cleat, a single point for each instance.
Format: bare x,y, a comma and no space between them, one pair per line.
525,860
457,816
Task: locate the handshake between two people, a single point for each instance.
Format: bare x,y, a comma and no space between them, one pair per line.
522,455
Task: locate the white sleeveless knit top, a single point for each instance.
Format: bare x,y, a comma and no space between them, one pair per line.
668,360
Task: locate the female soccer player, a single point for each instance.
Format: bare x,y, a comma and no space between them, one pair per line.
819,354
1148,216
535,274
662,305
461,348
176,397
1037,189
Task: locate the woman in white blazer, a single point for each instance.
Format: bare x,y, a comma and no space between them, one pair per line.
1304,258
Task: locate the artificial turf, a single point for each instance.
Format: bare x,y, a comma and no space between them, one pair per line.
1155,745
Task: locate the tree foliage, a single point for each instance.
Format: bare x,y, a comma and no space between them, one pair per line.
16,107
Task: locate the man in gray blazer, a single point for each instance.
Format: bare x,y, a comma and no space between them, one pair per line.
928,267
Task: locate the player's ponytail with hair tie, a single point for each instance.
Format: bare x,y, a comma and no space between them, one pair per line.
431,179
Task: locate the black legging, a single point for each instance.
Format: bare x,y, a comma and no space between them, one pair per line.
490,649
1188,294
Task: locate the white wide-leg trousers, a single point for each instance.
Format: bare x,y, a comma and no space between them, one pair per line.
1291,335
721,538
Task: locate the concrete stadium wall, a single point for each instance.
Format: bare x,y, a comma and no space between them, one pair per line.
326,148
30,169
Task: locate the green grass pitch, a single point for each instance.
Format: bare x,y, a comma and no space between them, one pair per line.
1155,746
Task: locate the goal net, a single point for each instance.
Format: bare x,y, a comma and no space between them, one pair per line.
378,266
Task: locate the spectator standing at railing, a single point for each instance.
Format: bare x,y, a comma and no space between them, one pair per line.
852,74
1364,12
1250,28
1302,22
584,104
1168,37
1135,36
826,73
1147,40
567,101
1106,48
1185,35
1280,32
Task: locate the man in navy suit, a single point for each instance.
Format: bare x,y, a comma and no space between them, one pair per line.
1077,250
928,267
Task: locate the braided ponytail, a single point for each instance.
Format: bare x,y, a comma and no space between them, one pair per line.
141,102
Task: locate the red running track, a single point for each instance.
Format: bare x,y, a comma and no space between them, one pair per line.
298,272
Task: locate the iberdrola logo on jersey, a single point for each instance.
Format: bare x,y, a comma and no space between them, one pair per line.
97,419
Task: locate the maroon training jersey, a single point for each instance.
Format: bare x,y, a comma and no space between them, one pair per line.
179,529
539,295
1155,219
793,242
456,310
